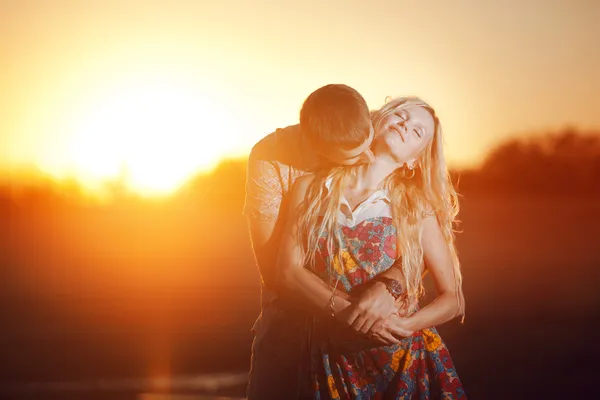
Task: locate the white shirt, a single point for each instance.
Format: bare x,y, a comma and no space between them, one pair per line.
376,205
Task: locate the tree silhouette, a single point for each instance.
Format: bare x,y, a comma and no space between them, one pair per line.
561,163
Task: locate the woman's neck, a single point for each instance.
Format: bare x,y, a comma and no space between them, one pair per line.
371,176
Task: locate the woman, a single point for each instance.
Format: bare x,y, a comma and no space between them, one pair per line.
349,225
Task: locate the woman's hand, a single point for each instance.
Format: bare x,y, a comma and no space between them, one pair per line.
372,305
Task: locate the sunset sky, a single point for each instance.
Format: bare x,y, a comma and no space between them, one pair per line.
162,89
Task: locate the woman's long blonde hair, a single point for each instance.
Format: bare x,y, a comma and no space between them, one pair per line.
428,192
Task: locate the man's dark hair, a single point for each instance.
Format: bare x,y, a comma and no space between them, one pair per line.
335,115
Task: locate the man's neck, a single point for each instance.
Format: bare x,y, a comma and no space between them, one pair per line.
310,161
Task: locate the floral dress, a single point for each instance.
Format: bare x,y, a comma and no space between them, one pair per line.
343,367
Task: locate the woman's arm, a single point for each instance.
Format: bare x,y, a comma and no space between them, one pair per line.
439,263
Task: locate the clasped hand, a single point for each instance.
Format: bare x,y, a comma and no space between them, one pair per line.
374,313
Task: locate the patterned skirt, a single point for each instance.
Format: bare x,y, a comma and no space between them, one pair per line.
419,367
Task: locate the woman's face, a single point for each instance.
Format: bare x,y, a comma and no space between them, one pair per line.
404,134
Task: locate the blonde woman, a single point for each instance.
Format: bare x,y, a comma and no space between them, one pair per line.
348,227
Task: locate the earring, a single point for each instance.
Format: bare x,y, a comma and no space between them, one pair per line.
411,168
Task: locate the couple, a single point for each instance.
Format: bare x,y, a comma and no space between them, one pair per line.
347,211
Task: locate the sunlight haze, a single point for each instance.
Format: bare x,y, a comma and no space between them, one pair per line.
152,92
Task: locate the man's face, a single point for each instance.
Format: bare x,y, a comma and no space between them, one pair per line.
361,154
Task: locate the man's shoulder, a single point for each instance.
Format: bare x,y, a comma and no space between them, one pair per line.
302,183
277,146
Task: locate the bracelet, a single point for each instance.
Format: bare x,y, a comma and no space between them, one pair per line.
329,308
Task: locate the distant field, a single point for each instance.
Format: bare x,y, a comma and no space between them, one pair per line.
117,293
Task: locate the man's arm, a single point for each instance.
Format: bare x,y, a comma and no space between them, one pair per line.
264,193
308,287
261,235
296,280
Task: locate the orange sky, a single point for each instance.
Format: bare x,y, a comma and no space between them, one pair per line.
228,72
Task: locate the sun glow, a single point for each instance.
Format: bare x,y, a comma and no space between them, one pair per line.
149,136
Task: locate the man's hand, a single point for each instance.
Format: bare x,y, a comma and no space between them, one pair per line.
372,305
391,330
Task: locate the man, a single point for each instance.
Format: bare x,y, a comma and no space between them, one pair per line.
335,128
